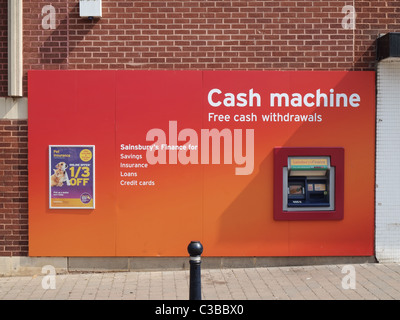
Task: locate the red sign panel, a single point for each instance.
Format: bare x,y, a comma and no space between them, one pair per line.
189,155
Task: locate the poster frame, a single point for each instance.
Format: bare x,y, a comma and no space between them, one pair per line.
93,176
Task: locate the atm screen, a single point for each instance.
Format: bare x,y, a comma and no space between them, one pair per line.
296,189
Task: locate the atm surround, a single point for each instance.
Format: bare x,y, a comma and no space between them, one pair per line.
308,183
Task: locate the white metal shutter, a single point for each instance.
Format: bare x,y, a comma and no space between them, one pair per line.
387,204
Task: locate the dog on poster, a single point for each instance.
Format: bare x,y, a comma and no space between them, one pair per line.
60,175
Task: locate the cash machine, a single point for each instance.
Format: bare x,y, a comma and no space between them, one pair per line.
308,183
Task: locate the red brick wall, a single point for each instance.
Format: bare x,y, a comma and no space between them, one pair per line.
186,34
13,187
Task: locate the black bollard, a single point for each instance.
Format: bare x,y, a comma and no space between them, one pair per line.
195,250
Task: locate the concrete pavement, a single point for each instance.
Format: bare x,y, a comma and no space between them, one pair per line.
371,281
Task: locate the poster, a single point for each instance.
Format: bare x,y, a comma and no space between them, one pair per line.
71,177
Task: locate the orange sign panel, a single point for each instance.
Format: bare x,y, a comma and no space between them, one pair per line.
188,155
